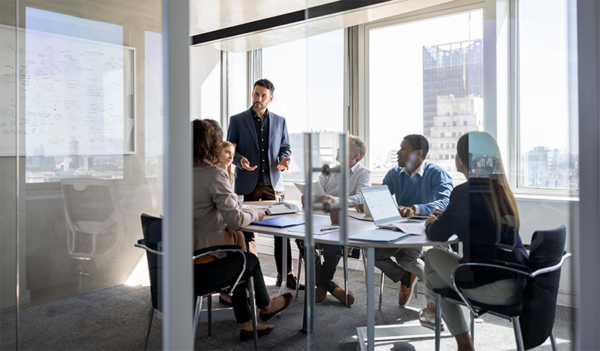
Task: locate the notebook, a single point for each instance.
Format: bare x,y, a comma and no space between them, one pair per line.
280,222
379,236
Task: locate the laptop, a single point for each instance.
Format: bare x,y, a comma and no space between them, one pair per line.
385,213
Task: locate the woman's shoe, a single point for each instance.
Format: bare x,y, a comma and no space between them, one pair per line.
288,300
249,334
428,320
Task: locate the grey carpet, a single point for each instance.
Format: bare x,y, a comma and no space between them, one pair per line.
115,319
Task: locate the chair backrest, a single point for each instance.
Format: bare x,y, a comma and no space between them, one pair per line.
152,229
539,305
92,208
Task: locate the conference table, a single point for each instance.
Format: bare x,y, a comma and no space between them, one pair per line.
371,332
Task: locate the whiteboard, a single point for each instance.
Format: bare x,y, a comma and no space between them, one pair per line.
77,97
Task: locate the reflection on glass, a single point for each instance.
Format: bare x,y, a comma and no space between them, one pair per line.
79,113
430,82
312,102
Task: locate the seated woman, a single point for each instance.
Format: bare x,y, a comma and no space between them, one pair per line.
227,159
483,213
216,219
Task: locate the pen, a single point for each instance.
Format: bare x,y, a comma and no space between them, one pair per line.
324,229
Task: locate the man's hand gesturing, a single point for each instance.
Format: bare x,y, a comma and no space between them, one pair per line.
246,164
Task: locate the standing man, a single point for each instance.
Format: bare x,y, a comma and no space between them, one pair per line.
262,153
420,188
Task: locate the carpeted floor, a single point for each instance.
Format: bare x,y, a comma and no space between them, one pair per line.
115,319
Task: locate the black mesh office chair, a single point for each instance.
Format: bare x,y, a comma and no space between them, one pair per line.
533,318
152,243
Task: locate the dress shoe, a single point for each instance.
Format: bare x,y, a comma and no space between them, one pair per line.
288,299
249,334
320,294
291,282
340,294
406,292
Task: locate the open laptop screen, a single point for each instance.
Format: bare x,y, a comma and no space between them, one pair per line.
380,203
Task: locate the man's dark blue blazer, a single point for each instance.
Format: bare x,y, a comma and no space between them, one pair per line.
243,133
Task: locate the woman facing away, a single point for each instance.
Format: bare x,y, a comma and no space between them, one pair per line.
484,215
217,218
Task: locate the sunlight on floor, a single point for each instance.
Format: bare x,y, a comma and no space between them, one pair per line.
140,275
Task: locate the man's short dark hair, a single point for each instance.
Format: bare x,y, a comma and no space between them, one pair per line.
418,142
265,83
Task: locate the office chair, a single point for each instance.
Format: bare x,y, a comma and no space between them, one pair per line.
94,221
152,243
533,318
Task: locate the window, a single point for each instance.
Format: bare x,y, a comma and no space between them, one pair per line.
300,98
548,151
464,123
447,145
439,62
453,145
454,134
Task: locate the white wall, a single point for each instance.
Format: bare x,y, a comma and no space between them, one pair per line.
203,61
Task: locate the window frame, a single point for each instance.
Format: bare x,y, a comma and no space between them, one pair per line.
363,44
513,107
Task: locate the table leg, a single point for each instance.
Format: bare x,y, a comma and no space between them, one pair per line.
371,298
284,267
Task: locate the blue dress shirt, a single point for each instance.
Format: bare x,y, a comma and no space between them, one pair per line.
428,187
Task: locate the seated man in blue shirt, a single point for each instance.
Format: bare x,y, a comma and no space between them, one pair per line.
419,187
358,177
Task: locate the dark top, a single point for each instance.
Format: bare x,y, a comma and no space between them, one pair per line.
262,136
467,217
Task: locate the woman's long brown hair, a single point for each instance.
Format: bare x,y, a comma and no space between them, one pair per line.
207,144
499,199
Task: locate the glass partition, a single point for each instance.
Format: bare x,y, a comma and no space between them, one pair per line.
11,181
88,164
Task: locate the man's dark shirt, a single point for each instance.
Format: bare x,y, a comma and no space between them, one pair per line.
262,133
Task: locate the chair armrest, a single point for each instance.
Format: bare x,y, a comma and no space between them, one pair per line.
524,270
213,249
143,244
566,255
223,248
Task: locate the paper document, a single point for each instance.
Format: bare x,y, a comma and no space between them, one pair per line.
318,189
379,236
416,228
254,207
317,229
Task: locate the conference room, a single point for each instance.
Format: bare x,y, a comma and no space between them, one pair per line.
105,144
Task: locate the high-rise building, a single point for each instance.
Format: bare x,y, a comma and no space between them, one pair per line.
453,118
450,69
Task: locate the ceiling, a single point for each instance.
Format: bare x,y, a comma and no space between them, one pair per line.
208,16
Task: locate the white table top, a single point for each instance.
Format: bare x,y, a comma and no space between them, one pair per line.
355,226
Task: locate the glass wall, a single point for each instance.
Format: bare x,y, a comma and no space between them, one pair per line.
308,75
11,180
425,77
87,164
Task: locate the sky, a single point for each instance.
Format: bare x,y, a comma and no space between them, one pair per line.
396,73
